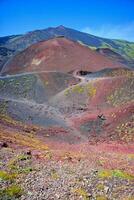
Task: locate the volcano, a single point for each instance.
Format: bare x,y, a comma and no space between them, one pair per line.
66,116
58,54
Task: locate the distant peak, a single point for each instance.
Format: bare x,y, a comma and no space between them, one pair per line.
61,27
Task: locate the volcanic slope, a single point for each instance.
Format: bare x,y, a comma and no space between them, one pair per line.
96,105
59,54
102,105
18,43
24,97
56,129
112,54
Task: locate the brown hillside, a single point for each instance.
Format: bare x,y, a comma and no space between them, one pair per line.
58,54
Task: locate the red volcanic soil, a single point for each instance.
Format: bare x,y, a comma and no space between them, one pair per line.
22,137
113,99
58,54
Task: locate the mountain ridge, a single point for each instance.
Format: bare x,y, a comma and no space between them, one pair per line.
21,42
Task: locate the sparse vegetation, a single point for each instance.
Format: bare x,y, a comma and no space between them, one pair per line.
88,89
7,176
54,174
125,48
123,94
102,197
115,173
11,192
82,192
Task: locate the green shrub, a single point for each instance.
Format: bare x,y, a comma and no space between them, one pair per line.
13,191
7,176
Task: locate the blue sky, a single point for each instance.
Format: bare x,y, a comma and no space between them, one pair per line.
105,18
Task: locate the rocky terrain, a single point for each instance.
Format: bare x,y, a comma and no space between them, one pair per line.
66,122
